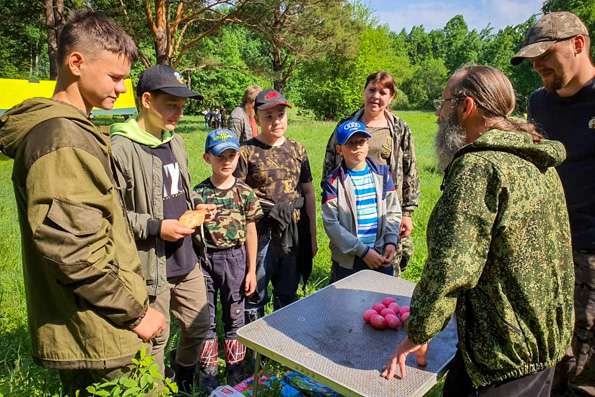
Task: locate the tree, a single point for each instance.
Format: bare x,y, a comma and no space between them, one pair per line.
332,87
226,73
426,84
176,26
23,51
54,17
299,30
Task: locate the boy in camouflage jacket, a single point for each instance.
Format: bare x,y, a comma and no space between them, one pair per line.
231,242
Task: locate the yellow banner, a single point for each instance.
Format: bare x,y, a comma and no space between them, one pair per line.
13,92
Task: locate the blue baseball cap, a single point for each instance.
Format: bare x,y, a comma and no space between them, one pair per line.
220,140
348,128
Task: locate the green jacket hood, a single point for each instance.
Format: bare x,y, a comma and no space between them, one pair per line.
543,155
131,130
16,123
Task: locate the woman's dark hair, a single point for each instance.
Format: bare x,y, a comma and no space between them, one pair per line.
383,79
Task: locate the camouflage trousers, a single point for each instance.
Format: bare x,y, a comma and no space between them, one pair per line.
575,374
403,255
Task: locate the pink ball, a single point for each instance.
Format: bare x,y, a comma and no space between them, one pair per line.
404,317
404,309
378,322
394,307
386,312
379,307
368,314
392,321
388,300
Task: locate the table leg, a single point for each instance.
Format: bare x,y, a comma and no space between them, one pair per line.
256,377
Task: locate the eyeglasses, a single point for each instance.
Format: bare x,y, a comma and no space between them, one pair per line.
438,103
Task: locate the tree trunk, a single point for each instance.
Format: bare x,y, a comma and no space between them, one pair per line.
54,17
162,44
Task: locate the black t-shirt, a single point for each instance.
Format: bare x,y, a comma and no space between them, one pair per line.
180,255
571,120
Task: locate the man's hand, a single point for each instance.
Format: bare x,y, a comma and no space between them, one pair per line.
389,252
406,226
151,325
404,348
210,208
250,283
172,230
373,259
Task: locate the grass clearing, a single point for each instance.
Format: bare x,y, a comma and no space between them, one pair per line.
20,377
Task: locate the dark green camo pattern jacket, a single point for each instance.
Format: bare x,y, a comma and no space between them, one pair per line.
499,255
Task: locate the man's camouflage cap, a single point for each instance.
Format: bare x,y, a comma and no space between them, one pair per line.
550,29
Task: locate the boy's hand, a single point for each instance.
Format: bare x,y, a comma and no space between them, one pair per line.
210,208
406,226
250,283
151,325
389,252
373,259
314,246
172,230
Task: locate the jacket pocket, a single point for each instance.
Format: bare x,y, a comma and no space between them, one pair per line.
72,234
79,220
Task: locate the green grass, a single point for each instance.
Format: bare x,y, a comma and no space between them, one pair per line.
19,376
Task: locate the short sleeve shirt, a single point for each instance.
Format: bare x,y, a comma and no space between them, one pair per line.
380,145
236,207
274,172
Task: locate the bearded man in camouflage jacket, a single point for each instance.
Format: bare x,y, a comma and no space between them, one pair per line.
499,247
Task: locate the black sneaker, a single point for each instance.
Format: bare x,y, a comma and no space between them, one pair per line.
208,379
235,374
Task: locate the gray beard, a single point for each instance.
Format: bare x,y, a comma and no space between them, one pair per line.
451,137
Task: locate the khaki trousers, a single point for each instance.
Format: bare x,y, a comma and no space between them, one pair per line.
186,299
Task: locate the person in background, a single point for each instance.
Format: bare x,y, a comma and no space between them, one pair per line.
558,47
243,118
87,304
499,251
392,145
360,208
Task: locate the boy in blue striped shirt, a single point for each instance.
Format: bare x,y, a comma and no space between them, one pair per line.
360,208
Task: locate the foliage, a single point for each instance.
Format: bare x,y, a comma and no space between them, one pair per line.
142,379
427,83
23,50
332,87
584,9
298,30
226,72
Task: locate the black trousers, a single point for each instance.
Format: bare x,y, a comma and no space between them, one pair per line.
458,384
224,276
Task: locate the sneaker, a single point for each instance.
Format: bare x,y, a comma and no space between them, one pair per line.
235,374
208,379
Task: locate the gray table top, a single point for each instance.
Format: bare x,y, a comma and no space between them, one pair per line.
325,337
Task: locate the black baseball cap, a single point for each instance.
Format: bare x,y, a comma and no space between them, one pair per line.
269,99
165,79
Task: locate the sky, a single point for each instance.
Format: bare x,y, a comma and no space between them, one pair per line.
434,14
